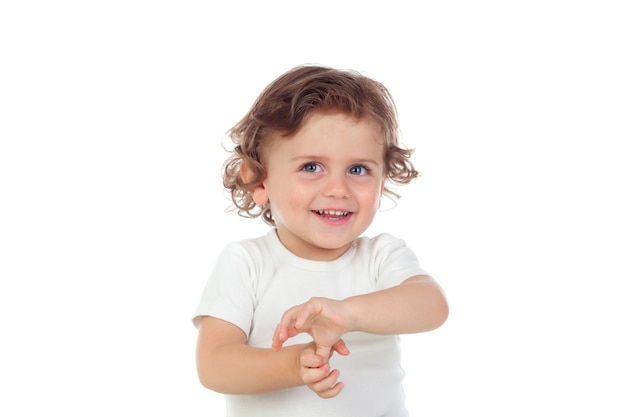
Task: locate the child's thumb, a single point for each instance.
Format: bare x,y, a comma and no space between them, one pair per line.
341,348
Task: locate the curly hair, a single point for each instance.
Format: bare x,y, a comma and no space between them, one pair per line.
283,107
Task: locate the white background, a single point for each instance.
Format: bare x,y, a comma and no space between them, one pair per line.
112,116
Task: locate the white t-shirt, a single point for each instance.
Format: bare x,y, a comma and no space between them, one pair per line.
254,281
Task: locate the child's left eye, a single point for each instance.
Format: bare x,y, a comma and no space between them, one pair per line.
359,170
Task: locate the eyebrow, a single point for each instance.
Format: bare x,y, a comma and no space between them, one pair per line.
321,158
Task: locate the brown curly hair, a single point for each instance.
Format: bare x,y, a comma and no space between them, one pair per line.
283,107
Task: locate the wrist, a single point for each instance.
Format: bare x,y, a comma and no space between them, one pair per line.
349,306
293,353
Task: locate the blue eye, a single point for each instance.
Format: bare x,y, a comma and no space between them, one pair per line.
359,170
311,167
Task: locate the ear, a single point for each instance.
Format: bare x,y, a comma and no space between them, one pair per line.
259,195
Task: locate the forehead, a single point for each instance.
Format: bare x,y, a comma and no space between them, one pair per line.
331,129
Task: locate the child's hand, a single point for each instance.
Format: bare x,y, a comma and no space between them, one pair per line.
316,374
324,319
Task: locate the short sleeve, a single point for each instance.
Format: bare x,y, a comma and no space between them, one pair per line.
393,261
229,292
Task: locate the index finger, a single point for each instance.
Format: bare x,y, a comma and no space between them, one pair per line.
292,323
284,330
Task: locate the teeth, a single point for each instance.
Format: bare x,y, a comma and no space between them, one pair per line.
333,212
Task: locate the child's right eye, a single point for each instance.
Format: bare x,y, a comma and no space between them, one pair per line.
311,167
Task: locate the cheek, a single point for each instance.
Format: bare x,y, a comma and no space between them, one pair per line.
381,193
371,198
296,197
284,195
376,203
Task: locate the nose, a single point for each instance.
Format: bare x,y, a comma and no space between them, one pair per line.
336,186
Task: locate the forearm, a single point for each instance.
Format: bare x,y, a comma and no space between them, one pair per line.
226,364
417,305
242,369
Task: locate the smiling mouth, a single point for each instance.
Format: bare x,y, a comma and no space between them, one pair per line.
332,214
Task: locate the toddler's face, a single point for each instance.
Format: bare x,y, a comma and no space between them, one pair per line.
324,183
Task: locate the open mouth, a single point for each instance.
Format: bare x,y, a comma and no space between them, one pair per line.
332,214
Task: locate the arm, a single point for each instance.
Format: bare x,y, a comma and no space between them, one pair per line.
416,305
227,365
